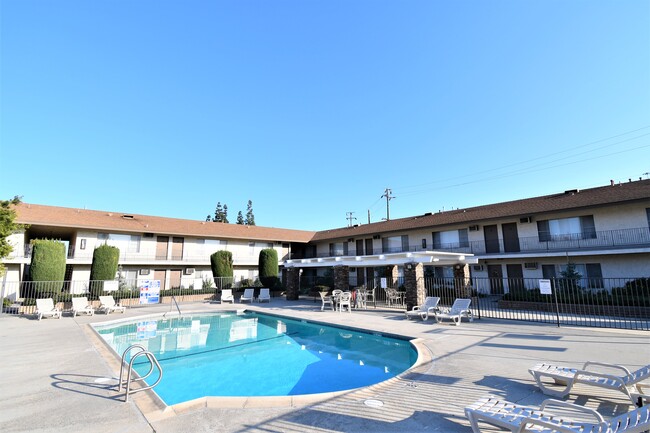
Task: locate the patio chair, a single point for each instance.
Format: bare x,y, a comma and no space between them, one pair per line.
393,297
326,299
81,305
226,296
107,304
345,300
629,383
459,309
45,308
247,296
423,311
265,295
370,293
553,416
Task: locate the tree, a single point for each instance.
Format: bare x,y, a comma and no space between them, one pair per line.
225,214
220,213
240,218
48,265
208,218
7,227
250,218
570,277
268,268
222,267
103,267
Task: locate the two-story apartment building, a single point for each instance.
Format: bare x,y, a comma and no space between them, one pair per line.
604,231
174,251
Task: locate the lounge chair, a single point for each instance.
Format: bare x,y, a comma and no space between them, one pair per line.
45,308
553,416
459,309
325,300
81,305
108,305
629,383
265,295
430,306
226,296
247,296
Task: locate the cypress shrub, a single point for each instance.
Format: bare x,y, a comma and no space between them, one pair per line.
268,268
48,266
104,267
221,264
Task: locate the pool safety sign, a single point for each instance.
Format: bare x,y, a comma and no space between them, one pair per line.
149,292
545,287
146,330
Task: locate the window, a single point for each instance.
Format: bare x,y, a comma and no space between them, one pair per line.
591,274
134,244
338,249
565,229
395,244
450,239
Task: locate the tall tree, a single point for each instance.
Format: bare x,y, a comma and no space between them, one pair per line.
240,218
7,227
218,213
250,218
224,219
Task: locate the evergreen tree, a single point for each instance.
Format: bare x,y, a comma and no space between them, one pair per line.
218,213
7,227
208,218
250,218
240,218
224,219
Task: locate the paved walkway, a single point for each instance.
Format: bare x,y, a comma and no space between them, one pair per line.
53,376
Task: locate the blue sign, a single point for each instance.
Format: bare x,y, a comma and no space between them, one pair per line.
149,292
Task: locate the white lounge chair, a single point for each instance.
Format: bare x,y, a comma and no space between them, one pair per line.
81,305
265,295
592,373
247,296
325,300
45,308
553,416
423,311
459,309
226,296
108,305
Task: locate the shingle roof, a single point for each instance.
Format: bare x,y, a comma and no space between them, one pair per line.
35,214
565,201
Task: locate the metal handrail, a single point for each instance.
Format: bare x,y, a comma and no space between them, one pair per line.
153,362
171,306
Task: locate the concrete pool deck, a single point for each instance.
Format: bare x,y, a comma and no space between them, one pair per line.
54,376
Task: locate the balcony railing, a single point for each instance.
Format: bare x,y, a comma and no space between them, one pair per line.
606,239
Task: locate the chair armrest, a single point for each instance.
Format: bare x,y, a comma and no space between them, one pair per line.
433,309
598,374
605,364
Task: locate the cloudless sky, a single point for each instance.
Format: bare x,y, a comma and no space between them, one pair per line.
312,108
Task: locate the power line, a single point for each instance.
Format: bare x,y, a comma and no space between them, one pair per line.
387,194
349,217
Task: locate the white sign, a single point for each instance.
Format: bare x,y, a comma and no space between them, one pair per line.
384,283
545,287
198,283
111,286
149,291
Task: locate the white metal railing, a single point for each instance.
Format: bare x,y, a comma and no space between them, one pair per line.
126,383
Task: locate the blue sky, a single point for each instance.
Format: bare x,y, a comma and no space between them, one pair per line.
311,109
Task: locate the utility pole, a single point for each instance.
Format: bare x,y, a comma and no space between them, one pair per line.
368,216
349,217
387,194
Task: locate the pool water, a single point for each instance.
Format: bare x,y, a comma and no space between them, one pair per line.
254,354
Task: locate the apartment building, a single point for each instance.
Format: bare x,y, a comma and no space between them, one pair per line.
604,231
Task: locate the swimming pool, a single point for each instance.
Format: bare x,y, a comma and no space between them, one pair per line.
253,354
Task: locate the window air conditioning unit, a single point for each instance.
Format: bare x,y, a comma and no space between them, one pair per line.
376,237
189,271
473,228
478,267
145,271
526,220
530,265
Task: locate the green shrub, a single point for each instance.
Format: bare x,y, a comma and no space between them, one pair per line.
104,267
268,268
48,265
221,264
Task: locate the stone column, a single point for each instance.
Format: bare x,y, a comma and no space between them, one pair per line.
392,276
414,283
293,284
461,281
342,278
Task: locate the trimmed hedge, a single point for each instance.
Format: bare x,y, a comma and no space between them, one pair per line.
268,268
104,267
221,264
48,264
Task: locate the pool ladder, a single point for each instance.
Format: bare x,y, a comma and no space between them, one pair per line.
126,384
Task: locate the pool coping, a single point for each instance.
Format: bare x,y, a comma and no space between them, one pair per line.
154,409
